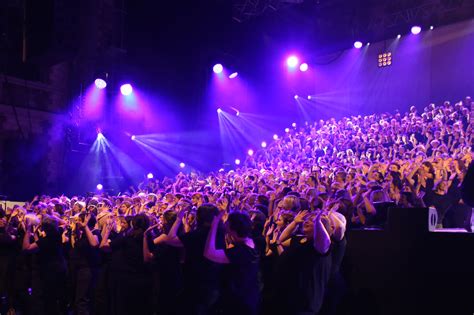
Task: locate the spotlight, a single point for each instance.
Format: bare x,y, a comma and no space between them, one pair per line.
250,152
399,36
385,59
357,44
431,27
309,97
287,130
100,83
219,110
100,135
233,75
237,162
275,137
217,68
126,89
368,44
237,113
292,61
264,144
99,187
149,176
296,97
415,30
304,67
133,137
293,125
182,165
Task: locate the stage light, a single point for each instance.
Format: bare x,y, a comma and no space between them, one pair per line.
149,176
264,144
237,113
399,36
292,61
233,75
126,89
99,187
217,68
415,30
100,135
309,97
357,44
250,152
385,59
237,162
275,137
296,97
219,110
287,130
182,165
431,27
304,67
368,44
100,83
133,137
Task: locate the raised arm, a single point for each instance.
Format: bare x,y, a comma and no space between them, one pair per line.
321,240
210,251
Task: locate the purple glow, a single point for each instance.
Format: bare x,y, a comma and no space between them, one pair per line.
296,97
293,125
399,36
133,137
149,176
99,187
431,27
275,137
182,165
358,44
415,30
250,152
309,97
264,144
304,67
237,162
126,89
217,68
219,110
292,61
287,130
100,83
233,75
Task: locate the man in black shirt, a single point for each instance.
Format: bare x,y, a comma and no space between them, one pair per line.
201,276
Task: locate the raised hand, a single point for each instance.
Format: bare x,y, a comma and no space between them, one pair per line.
299,218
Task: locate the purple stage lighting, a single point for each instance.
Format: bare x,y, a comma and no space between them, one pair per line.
133,137
287,130
293,125
357,44
100,83
431,27
292,61
296,97
250,152
149,176
182,165
217,68
264,144
126,89
275,137
237,162
219,110
99,187
304,67
233,75
415,30
309,97
399,36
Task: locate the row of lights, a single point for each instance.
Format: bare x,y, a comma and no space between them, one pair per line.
125,89
292,62
415,30
218,69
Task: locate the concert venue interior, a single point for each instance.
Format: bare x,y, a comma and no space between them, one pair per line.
236,157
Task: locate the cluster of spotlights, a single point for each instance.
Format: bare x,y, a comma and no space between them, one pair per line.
125,89
292,62
385,59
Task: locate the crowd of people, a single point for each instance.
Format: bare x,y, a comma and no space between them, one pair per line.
266,238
